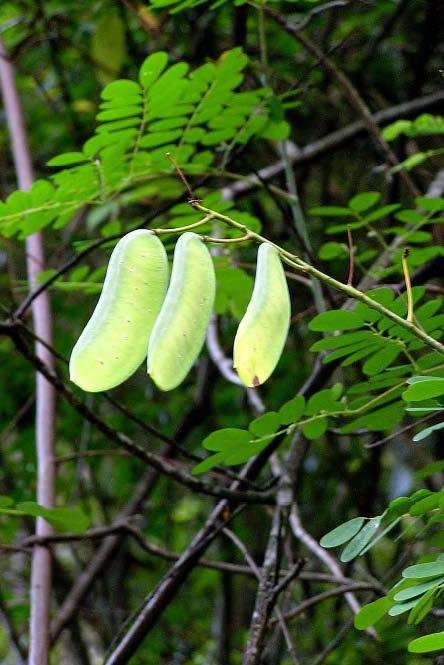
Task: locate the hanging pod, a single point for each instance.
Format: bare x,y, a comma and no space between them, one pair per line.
262,332
114,342
179,332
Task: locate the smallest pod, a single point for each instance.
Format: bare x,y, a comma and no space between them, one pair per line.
262,332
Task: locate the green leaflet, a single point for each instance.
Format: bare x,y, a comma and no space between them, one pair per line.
335,320
427,388
343,533
371,613
420,570
232,446
427,643
424,124
417,589
359,542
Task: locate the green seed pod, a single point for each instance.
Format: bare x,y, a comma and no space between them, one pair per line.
114,341
263,330
179,332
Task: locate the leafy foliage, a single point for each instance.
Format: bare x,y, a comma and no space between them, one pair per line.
136,130
363,213
420,585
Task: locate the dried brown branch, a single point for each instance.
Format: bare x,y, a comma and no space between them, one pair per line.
265,598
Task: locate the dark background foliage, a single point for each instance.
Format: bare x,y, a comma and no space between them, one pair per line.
64,52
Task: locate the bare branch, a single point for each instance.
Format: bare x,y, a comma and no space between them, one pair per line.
265,598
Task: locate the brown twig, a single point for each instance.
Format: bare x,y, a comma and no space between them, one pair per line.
330,593
191,198
91,453
403,430
265,599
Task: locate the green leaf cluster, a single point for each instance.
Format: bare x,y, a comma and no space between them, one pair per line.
168,110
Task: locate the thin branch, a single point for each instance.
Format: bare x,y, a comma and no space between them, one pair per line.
408,284
334,4
244,551
287,637
102,452
289,577
330,593
96,533
333,643
257,573
22,411
403,430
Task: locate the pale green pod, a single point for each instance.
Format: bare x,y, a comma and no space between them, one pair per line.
179,332
114,342
261,334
